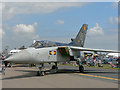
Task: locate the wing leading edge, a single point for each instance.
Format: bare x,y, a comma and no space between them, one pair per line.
95,50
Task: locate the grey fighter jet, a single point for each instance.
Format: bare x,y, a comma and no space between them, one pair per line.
44,51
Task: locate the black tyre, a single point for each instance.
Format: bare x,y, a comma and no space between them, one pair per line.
38,73
53,67
56,68
81,69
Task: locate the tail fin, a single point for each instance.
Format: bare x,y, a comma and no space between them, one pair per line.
80,38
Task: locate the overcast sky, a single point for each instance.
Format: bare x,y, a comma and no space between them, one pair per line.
25,22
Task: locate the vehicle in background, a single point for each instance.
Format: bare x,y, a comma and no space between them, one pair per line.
113,55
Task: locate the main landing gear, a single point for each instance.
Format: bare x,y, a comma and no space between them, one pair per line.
41,72
54,67
81,68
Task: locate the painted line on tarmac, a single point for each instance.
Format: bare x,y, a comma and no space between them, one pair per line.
93,76
98,76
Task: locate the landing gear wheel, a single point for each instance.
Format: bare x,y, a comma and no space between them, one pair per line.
54,67
81,69
40,73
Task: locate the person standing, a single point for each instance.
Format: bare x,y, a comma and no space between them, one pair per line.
94,60
112,65
3,59
99,63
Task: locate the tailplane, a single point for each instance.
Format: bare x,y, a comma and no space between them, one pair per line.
80,38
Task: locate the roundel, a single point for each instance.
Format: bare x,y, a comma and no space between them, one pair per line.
78,40
50,52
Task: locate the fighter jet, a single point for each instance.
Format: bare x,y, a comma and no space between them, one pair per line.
41,52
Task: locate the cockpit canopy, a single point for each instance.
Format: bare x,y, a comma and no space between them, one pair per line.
43,43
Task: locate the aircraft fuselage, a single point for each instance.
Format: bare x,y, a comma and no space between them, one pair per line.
39,55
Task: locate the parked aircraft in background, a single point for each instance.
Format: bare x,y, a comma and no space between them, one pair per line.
13,51
41,52
114,55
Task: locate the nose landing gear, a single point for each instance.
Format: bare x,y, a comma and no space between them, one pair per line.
41,72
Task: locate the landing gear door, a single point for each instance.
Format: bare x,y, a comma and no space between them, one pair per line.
52,55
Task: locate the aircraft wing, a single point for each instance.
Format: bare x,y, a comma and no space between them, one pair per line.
90,49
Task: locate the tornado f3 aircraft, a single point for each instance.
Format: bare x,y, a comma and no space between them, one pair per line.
42,52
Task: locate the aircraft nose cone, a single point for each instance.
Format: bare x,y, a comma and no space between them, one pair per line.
20,57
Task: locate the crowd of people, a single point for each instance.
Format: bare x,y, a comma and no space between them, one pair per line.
92,61
98,61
